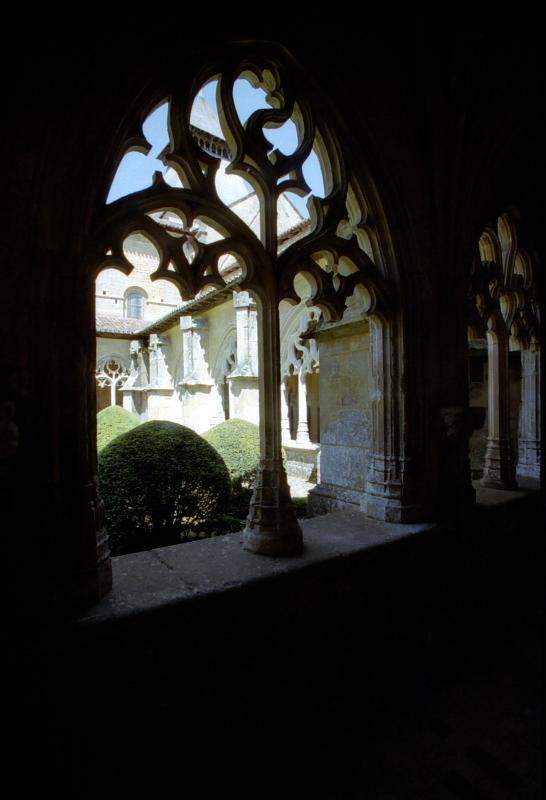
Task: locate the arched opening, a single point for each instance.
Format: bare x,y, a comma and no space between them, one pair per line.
213,224
504,373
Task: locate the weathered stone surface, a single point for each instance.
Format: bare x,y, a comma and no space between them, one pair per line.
144,581
345,422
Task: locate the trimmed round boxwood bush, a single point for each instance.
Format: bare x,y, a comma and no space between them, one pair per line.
238,442
160,482
112,422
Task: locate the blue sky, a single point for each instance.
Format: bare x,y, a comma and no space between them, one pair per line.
135,171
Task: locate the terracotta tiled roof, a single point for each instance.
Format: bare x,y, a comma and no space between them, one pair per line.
124,328
111,323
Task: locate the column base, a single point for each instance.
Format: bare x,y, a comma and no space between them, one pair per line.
528,471
499,472
529,459
327,497
93,584
272,528
391,509
279,543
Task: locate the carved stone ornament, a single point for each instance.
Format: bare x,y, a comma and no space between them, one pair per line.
111,373
339,253
504,309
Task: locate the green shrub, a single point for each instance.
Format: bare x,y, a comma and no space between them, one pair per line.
299,504
238,442
112,422
160,482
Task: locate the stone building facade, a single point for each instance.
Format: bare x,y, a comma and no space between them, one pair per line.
196,363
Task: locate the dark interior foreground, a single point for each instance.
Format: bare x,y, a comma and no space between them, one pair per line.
413,671
409,671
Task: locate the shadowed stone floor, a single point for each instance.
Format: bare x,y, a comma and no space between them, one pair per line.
477,738
387,662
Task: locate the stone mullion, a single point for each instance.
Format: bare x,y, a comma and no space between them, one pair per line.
285,416
529,436
113,384
499,471
303,427
272,527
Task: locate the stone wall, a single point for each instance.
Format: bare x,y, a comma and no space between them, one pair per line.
112,285
345,421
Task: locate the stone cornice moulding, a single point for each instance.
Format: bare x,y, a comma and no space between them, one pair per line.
335,330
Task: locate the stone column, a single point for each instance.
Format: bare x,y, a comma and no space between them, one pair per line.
243,379
499,470
390,495
161,387
159,374
529,426
195,333
285,419
135,388
272,527
82,507
303,427
247,336
457,496
196,380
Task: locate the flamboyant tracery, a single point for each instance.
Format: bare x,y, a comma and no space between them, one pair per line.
111,374
337,256
504,310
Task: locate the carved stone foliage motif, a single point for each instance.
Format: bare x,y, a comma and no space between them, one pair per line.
503,295
297,354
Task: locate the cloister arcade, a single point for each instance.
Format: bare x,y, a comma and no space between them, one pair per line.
334,276
339,260
380,325
504,322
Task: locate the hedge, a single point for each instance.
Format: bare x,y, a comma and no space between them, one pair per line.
160,482
238,442
112,422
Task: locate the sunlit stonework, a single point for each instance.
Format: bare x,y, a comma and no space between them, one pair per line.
220,219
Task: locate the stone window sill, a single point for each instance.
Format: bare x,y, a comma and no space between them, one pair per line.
171,577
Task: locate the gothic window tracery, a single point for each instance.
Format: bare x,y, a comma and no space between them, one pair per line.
111,374
336,250
504,315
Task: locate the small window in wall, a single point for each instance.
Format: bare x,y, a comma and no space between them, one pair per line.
134,304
